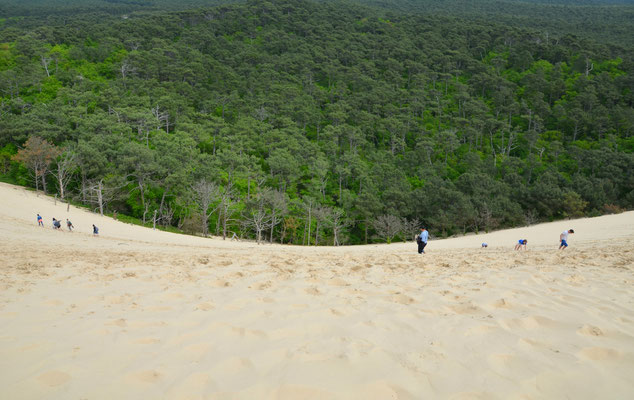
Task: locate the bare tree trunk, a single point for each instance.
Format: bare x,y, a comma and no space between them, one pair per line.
44,181
309,222
100,196
83,186
160,210
61,187
37,182
205,224
224,224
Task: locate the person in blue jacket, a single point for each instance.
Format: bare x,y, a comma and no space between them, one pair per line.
421,239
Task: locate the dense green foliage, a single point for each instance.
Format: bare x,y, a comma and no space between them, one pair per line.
318,123
609,21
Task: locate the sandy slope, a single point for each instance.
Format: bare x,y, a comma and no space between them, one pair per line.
137,313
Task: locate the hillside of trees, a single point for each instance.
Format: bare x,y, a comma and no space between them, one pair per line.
607,21
316,122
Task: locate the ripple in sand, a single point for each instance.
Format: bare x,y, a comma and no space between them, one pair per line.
205,306
149,376
53,378
234,365
480,330
147,341
529,323
599,354
464,308
292,392
379,390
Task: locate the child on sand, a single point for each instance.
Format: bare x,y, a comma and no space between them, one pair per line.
40,222
95,230
563,239
69,225
521,243
56,224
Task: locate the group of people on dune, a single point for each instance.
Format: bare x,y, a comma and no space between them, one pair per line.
563,241
423,237
57,225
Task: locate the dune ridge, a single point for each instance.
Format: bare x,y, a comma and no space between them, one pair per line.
137,313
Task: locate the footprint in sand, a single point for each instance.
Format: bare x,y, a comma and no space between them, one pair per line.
337,282
336,312
205,306
220,283
262,285
402,299
501,303
589,330
53,378
313,291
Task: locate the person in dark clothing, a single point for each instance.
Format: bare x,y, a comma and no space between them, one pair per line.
421,240
56,224
95,230
69,225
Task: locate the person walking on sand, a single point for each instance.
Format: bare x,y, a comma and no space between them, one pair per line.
563,239
421,240
521,243
69,225
40,222
56,224
95,230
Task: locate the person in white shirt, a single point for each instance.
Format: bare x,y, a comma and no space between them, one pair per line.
563,238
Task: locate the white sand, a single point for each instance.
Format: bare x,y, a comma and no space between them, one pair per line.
137,313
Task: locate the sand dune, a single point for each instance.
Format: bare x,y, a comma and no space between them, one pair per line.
137,313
